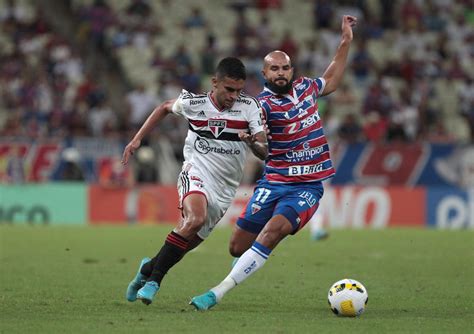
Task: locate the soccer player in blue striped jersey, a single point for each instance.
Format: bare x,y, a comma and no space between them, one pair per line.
288,194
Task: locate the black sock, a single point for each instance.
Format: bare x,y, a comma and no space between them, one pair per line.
172,251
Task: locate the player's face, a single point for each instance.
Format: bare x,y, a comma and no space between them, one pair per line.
225,91
278,71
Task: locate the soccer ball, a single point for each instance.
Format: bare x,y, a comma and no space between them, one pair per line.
348,298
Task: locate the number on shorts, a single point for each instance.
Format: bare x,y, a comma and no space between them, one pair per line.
262,195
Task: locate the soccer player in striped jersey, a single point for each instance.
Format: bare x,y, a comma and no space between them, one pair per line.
289,192
222,125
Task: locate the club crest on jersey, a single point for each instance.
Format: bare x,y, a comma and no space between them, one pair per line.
216,126
255,208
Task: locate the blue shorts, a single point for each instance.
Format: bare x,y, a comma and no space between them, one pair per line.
295,201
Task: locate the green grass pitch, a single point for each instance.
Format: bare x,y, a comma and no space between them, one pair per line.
73,280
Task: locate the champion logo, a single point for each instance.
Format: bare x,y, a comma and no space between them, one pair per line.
201,114
217,126
301,203
256,208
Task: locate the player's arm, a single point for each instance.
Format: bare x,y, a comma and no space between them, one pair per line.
155,118
257,143
335,70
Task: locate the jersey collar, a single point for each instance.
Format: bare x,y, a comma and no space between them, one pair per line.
214,102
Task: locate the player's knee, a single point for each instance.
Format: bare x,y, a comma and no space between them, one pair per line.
235,249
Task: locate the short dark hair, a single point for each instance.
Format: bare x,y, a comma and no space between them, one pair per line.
231,67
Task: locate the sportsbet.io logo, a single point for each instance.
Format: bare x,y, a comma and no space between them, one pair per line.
204,147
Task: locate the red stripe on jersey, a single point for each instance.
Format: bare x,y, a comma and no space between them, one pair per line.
284,164
300,178
230,123
294,136
314,143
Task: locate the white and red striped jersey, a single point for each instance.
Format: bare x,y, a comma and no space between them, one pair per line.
212,144
298,150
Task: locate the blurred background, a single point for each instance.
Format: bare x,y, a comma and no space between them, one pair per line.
78,78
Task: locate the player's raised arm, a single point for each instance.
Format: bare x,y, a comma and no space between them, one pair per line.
155,118
257,143
335,70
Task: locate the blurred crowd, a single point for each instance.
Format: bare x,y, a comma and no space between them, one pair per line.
409,77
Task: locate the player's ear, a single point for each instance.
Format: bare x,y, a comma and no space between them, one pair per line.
214,82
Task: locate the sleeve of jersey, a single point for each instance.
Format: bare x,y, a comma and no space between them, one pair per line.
255,119
321,83
180,104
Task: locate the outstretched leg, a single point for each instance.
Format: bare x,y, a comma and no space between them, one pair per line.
176,245
251,260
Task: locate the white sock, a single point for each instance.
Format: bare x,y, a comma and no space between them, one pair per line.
252,260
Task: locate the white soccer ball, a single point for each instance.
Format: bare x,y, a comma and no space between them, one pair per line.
348,298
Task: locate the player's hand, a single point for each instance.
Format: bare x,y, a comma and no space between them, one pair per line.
266,128
130,149
247,138
348,22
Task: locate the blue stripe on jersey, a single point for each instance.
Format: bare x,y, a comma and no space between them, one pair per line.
281,145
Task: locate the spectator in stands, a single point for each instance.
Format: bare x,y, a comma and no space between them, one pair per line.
350,131
140,102
15,166
375,127
209,55
98,17
140,9
100,117
113,174
289,45
268,4
71,168
466,102
195,19
145,169
323,14
264,34
362,63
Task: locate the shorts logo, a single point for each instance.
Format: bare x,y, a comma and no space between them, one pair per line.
255,208
216,126
198,184
301,203
308,198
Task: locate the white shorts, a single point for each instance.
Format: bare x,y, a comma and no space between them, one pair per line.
190,181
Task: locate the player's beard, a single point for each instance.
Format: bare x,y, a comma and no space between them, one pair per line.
281,90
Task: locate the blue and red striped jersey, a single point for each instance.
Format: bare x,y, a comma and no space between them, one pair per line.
298,150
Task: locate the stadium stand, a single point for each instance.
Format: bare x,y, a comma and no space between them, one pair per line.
411,65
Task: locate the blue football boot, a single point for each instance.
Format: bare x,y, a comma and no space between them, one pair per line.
148,292
137,283
204,302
